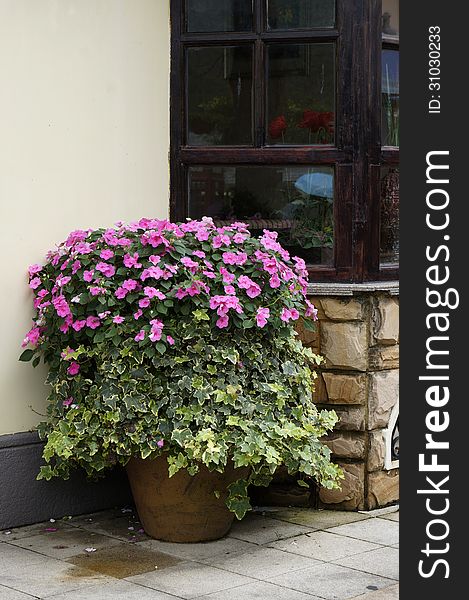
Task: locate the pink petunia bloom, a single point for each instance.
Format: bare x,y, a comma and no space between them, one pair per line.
227,276
170,340
73,369
120,293
67,402
61,280
181,293
140,336
230,290
234,258
262,316
311,310
199,253
88,276
132,261
202,235
61,306
221,240
274,281
93,322
156,330
209,274
160,443
224,303
222,322
66,324
83,248
154,259
103,315
34,283
129,285
106,269
32,337
138,314
118,319
106,254
144,302
189,263
289,314
76,266
78,325
239,238
97,291
76,236
152,272
252,288
33,269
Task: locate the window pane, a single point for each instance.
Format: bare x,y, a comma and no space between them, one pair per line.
301,94
295,201
389,237
391,17
300,14
390,98
219,15
219,96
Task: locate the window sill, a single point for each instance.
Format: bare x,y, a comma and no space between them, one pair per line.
350,289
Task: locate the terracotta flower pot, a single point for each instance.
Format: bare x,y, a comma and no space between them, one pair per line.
182,508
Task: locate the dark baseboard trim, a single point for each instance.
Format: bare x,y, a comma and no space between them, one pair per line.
24,500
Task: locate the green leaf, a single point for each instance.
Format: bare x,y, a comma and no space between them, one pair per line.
302,483
160,347
36,361
26,355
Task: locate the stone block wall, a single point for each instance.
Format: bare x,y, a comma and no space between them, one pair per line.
359,338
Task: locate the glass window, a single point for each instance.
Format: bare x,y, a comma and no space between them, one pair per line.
389,232
219,102
296,201
218,15
390,98
390,18
301,94
300,14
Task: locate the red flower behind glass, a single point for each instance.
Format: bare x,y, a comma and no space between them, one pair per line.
314,120
277,127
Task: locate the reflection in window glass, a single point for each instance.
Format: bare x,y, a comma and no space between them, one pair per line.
300,14
219,15
301,94
390,98
389,233
219,96
390,17
296,201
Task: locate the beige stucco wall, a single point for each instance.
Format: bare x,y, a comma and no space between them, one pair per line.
84,142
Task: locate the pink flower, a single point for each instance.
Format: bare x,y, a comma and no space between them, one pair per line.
32,337
106,254
227,276
120,293
288,314
76,236
154,259
78,325
160,443
221,240
93,322
88,276
61,280
274,281
67,402
199,253
152,292
209,274
138,314
156,330
76,266
61,306
106,269
118,319
34,283
230,290
153,272
222,322
33,269
96,291
252,288
73,369
224,303
180,294
140,336
234,258
129,285
189,263
262,316
103,315
170,340
132,261
239,238
144,302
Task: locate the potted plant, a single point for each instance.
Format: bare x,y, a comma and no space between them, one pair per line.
171,350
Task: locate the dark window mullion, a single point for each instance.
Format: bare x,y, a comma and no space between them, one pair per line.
318,35
259,95
268,155
218,38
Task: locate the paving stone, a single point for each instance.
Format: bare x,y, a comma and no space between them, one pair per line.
318,519
224,547
263,563
189,580
65,543
42,576
115,590
9,594
389,593
324,546
262,530
123,527
259,591
391,517
18,533
377,531
382,561
331,581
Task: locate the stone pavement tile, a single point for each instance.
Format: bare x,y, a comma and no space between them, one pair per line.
391,517
331,581
115,590
260,590
202,551
389,593
378,531
65,543
262,530
18,533
395,546
9,594
263,563
124,560
324,546
381,512
317,519
384,562
41,576
123,527
189,580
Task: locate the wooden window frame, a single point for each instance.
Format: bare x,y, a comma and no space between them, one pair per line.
356,155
